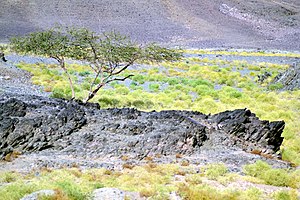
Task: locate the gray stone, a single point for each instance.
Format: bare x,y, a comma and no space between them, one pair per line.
174,196
36,195
115,194
108,193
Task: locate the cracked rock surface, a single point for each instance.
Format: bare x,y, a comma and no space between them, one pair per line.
92,137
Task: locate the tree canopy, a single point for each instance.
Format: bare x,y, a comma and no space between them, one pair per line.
108,54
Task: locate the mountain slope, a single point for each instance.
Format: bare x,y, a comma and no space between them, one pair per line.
192,23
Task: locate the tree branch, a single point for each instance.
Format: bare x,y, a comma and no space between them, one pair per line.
120,79
124,68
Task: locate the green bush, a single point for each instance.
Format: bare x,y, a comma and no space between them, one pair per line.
138,78
256,169
275,86
84,73
72,190
213,171
285,195
58,93
154,87
108,102
277,177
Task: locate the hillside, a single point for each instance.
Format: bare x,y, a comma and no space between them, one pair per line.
220,123
190,23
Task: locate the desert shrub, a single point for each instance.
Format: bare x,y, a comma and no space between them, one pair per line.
256,169
275,86
84,73
8,177
173,81
277,177
72,190
198,192
17,190
285,195
213,171
122,90
154,87
251,194
139,78
106,101
142,104
85,86
203,90
58,93
195,83
231,92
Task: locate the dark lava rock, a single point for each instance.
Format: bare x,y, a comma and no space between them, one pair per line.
32,124
38,125
290,79
244,129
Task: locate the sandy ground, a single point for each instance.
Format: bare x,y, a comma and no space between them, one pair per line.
186,23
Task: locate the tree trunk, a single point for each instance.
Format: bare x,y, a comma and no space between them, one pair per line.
62,64
93,93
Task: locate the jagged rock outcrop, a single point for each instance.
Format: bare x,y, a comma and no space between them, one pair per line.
31,124
247,131
29,127
290,79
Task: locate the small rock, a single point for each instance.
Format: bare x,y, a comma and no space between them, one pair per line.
6,77
174,196
36,195
114,193
108,193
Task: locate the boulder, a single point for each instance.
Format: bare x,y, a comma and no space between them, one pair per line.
38,194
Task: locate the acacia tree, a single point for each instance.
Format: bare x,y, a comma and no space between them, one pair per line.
111,54
53,43
108,54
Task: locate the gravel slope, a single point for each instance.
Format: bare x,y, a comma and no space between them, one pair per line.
189,23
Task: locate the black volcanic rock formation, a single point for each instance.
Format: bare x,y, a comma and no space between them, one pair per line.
290,79
31,124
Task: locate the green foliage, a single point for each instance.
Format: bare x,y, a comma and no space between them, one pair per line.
213,171
8,177
84,73
108,55
72,190
257,169
52,43
285,195
106,102
58,93
276,177
275,86
154,87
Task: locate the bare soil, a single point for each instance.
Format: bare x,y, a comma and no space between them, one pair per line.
186,23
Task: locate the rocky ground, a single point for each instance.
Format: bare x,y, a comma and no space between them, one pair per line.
189,23
39,132
44,129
